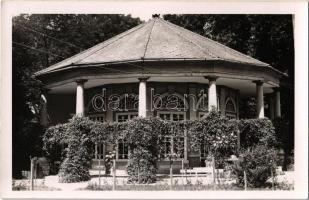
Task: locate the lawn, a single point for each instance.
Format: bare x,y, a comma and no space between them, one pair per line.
191,183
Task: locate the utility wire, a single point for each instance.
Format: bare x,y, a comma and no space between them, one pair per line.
35,49
35,31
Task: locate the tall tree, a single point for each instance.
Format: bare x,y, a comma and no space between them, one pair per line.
38,42
268,38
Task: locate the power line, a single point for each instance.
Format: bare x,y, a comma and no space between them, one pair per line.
35,31
32,48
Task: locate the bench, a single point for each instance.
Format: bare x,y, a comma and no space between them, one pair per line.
202,170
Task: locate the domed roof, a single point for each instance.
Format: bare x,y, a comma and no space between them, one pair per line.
156,39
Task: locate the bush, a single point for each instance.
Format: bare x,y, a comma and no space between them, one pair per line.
53,140
142,136
217,132
144,163
258,162
79,151
257,132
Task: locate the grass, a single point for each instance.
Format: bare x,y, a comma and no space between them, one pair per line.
186,187
24,185
160,187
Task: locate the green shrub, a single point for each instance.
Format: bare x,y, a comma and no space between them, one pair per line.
79,150
144,163
257,162
257,132
53,141
217,132
142,136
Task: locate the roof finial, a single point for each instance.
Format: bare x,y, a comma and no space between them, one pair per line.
155,15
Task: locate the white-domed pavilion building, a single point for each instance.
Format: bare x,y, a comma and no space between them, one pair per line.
157,69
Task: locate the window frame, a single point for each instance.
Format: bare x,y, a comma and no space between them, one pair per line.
97,115
117,152
96,156
230,114
171,113
172,138
129,114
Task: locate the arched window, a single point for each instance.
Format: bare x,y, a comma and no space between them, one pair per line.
230,109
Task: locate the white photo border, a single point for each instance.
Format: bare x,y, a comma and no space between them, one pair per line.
298,9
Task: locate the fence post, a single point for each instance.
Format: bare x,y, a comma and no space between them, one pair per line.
182,168
138,175
32,162
171,176
218,177
213,172
114,174
273,179
238,141
99,172
245,179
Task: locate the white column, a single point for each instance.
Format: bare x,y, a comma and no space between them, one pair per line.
212,93
259,99
44,119
142,97
278,104
80,97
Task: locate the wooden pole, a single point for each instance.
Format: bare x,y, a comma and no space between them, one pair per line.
171,176
114,174
182,168
245,180
31,173
35,172
213,172
99,172
138,175
238,141
273,179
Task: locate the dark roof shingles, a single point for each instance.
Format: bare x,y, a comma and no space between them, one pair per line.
156,39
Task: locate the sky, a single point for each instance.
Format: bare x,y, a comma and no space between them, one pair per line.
142,16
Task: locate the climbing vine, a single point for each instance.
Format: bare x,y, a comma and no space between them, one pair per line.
218,133
144,137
